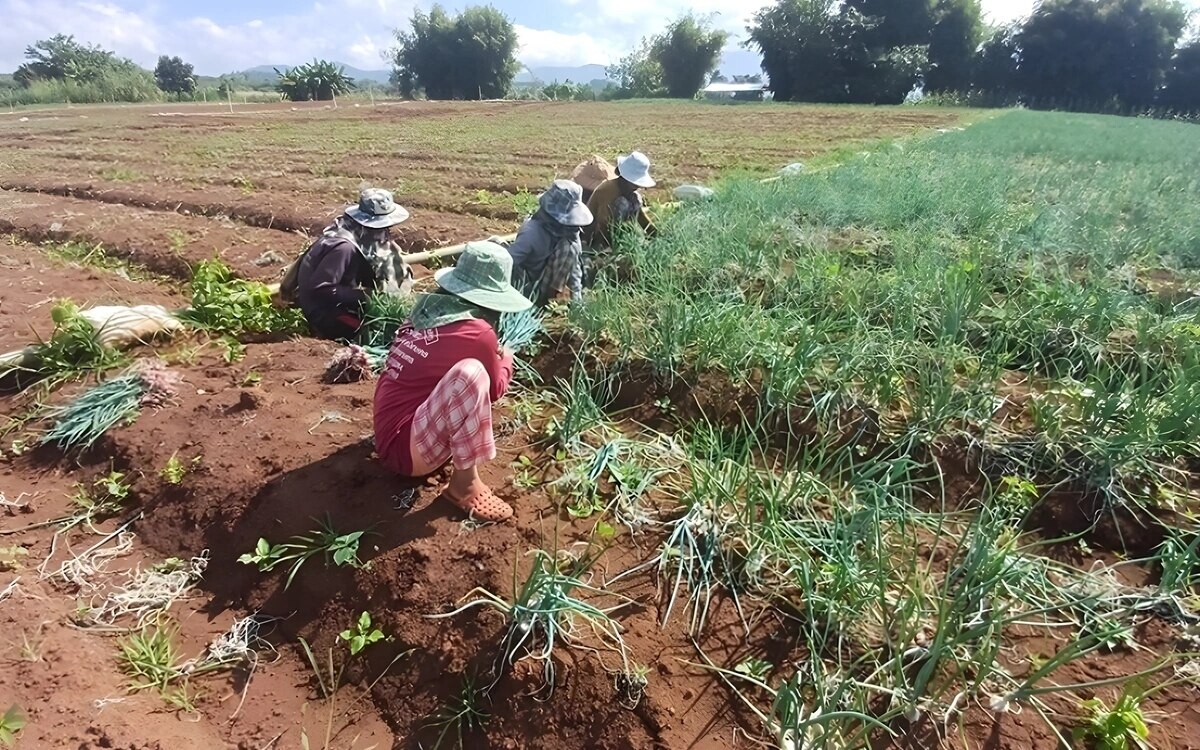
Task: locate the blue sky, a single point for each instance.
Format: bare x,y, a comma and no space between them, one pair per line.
225,35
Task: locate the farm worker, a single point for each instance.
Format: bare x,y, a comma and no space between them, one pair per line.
617,200
548,251
337,271
433,402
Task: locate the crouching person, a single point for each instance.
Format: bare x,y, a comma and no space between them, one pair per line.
548,251
337,272
433,403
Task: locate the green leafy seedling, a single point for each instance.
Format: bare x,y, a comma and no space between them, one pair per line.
113,485
344,549
1120,728
12,722
174,471
361,634
265,555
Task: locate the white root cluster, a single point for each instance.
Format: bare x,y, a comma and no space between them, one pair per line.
81,570
148,593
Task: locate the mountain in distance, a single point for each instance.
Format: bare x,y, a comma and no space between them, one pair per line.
266,73
733,62
561,73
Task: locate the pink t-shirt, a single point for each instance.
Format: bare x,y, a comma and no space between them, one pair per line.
418,360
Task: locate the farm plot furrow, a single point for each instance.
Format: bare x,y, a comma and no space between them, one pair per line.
34,277
294,171
280,211
162,241
265,450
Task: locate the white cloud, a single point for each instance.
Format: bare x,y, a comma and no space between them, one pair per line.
544,47
358,31
363,29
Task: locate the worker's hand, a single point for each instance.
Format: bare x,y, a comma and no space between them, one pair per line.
505,353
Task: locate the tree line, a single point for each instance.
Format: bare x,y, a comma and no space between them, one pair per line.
1122,56
1096,55
62,69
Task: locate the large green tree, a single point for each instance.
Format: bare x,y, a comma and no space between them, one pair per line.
1181,87
816,50
953,40
994,68
61,58
898,23
174,76
468,56
686,52
638,74
84,73
1097,54
798,43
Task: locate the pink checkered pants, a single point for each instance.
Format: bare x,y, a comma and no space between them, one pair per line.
455,422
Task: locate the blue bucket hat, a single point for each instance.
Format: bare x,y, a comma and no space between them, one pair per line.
376,209
563,202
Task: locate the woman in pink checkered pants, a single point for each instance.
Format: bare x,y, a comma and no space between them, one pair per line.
446,367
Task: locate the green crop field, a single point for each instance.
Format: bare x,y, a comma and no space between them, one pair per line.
914,380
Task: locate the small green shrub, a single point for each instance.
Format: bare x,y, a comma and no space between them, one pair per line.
224,304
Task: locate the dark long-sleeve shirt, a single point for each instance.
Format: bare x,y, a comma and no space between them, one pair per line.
333,278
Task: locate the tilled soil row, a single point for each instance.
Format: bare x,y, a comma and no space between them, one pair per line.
164,242
30,282
433,224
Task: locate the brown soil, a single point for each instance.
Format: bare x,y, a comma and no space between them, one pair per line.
163,241
30,283
269,456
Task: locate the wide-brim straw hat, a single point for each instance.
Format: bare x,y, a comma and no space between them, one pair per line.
483,275
376,209
636,169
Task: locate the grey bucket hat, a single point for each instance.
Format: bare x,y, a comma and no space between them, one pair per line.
483,275
563,201
376,209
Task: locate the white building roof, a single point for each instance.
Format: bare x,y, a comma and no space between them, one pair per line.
731,88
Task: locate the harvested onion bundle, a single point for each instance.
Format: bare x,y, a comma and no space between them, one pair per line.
350,364
519,329
80,423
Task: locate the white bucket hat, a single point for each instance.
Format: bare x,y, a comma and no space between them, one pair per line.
636,169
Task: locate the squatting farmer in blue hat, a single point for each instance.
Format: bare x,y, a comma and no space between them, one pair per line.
337,271
548,251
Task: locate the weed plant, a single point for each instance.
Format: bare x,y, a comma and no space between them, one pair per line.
224,304
546,614
337,548
73,350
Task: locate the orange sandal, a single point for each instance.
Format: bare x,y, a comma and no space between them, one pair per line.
482,504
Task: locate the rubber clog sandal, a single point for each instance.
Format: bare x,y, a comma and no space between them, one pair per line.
482,504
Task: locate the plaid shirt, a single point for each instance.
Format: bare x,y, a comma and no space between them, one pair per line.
548,261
